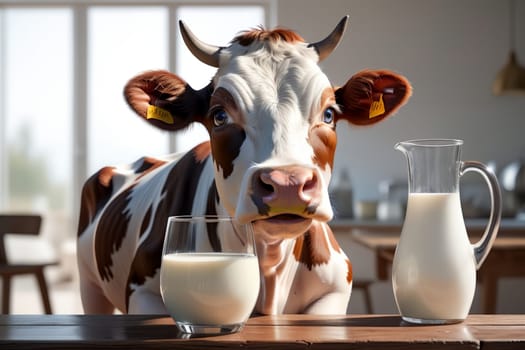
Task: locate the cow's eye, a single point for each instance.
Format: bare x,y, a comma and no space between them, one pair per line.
328,115
220,117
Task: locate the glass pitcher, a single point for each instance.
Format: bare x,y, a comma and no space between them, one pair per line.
434,268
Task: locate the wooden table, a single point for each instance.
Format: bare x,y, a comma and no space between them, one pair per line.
506,258
39,332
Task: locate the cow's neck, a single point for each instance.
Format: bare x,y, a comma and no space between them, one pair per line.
277,274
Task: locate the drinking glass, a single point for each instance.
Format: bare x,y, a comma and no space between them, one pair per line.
209,274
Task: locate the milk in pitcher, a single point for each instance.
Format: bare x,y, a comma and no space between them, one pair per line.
434,269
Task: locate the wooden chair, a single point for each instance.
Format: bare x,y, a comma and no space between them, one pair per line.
24,225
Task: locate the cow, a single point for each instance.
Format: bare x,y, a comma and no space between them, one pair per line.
271,114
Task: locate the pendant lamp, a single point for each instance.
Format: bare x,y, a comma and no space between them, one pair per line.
511,78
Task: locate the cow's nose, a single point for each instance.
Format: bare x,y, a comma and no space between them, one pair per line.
292,189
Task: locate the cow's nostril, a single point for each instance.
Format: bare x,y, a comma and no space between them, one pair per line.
310,189
311,184
264,184
265,188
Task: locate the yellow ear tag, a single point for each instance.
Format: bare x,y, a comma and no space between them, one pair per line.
377,108
158,113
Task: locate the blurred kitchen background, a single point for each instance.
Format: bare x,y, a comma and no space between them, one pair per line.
63,65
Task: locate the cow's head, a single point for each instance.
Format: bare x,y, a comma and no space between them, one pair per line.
271,114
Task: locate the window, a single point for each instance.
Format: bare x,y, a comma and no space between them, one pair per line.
115,54
36,108
63,66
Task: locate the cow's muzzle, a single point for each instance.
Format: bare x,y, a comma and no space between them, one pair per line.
287,190
285,193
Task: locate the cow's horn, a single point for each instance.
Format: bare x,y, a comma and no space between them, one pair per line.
206,53
325,47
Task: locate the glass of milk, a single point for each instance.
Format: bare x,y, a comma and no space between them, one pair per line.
209,276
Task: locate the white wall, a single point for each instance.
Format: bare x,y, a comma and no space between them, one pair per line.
450,50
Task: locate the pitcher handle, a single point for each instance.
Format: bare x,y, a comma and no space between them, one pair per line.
483,246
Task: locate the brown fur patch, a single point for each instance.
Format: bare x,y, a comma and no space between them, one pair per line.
312,248
211,209
105,175
279,34
349,274
148,165
226,140
96,192
145,222
324,141
226,145
202,151
111,230
322,136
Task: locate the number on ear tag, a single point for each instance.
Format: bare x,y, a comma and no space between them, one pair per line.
158,113
377,108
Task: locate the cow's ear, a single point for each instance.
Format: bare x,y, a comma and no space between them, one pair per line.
165,100
372,95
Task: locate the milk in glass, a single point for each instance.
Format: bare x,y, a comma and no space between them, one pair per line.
209,288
